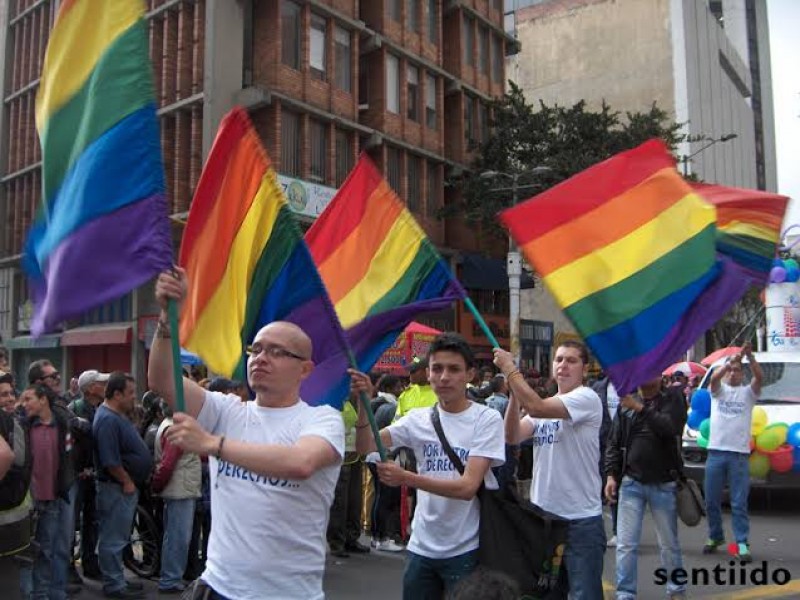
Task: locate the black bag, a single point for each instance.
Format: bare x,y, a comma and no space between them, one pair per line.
516,537
688,497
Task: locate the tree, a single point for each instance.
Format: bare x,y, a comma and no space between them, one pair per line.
564,139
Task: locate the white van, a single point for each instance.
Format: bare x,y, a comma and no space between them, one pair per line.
780,398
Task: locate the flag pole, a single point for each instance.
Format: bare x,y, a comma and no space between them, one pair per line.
479,319
365,403
172,314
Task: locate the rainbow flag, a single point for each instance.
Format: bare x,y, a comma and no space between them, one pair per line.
748,226
248,265
101,229
627,249
379,267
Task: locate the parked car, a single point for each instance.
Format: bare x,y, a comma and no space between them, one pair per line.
780,399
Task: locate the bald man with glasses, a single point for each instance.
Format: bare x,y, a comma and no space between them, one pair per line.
274,462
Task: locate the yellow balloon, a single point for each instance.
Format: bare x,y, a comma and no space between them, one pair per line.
780,430
759,421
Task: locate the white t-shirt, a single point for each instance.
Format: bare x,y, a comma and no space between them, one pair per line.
731,415
566,454
268,534
447,527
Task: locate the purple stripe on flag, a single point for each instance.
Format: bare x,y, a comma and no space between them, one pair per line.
102,261
709,307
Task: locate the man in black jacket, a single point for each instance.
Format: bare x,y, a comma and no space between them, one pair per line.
641,465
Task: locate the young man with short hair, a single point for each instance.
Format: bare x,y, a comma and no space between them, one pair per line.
444,539
566,453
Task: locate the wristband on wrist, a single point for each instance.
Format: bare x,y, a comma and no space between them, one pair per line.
162,330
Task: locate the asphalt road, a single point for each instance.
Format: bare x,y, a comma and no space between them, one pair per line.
775,542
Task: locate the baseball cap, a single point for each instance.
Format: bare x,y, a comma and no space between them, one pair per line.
416,364
87,378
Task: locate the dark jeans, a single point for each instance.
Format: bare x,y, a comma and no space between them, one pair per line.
583,558
86,518
385,509
345,522
10,574
429,578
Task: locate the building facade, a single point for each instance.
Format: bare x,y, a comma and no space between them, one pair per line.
408,81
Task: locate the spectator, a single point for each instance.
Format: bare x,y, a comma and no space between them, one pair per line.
444,540
732,403
123,461
566,453
273,461
499,398
419,394
8,397
641,465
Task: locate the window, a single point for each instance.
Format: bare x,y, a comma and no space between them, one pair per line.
469,120
413,92
483,122
317,53
497,60
290,34
319,151
344,156
469,42
483,50
344,73
430,101
393,163
412,15
392,83
290,143
414,183
433,21
433,191
395,7
363,81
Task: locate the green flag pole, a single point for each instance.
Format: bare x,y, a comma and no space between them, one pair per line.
479,320
365,403
177,373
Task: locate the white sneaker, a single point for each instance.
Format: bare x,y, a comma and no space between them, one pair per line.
390,546
376,543
612,542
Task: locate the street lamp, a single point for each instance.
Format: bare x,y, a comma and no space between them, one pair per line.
711,141
514,258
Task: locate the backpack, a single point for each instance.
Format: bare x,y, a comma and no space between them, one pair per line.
14,486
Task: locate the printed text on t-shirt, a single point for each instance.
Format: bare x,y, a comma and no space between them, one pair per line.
436,459
226,469
544,433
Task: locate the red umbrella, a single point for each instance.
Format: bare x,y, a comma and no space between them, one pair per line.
721,353
686,367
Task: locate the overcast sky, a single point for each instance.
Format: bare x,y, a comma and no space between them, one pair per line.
784,34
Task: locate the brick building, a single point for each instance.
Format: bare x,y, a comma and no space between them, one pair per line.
407,81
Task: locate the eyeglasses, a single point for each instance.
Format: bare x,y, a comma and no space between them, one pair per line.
272,351
53,375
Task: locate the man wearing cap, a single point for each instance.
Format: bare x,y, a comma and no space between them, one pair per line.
91,385
419,394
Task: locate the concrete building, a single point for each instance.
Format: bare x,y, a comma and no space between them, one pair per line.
705,62
408,81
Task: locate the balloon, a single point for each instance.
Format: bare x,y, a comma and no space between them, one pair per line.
759,465
759,421
705,428
793,435
770,439
777,275
791,263
695,419
792,274
781,459
701,402
781,430
777,262
702,441
796,460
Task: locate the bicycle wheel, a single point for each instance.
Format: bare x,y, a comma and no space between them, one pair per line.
143,554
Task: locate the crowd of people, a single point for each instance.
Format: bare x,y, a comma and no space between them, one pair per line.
283,479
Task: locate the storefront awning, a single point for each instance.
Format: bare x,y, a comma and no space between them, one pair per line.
482,273
23,342
97,335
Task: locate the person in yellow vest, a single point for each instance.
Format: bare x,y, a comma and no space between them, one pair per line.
419,394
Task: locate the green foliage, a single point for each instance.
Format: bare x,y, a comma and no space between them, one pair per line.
564,139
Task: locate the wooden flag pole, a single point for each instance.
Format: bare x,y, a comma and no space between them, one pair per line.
177,372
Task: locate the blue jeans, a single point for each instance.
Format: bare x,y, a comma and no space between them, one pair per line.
633,499
49,575
429,578
583,557
115,512
178,520
735,468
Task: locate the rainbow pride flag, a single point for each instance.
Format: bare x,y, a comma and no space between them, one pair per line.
379,267
748,226
101,229
248,265
628,250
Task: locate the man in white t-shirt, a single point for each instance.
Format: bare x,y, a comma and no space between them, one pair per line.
444,540
274,463
728,459
566,454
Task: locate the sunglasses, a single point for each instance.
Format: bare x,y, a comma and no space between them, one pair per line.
53,375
